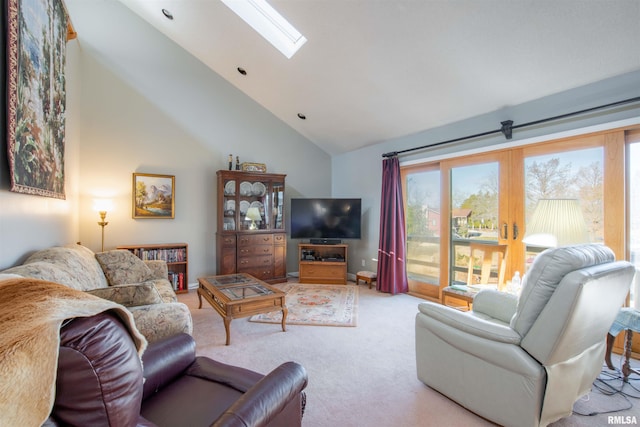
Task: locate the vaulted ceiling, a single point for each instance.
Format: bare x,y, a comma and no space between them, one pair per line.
373,70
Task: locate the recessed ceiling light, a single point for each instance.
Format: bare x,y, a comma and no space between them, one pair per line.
269,24
302,116
167,14
242,71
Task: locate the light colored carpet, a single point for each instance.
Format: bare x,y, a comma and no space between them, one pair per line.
316,305
362,376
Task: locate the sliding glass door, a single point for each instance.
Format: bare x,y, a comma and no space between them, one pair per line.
495,197
564,201
424,228
474,213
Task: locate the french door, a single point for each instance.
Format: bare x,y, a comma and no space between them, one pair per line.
493,198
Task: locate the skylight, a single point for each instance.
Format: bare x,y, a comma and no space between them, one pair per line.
269,24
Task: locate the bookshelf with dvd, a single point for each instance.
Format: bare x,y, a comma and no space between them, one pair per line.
176,255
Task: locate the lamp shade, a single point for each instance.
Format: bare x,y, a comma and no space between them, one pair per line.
556,222
253,214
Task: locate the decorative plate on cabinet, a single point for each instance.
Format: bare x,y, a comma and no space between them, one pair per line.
244,207
246,189
259,189
258,205
230,188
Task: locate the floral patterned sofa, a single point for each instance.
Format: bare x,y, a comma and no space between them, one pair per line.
119,276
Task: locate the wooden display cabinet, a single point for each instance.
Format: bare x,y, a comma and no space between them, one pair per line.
325,264
251,236
176,255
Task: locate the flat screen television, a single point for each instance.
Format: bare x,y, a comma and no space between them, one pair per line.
326,219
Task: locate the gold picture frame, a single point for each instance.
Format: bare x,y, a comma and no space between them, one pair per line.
153,196
253,167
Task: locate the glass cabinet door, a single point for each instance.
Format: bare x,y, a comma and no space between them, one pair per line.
229,205
253,198
277,198
250,202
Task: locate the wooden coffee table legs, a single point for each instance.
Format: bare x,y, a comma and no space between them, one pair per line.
285,311
227,329
227,324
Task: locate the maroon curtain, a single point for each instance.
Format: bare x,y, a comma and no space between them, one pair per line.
392,276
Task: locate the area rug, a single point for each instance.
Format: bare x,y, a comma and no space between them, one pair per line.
318,305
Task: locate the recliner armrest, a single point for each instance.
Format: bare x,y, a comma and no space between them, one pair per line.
267,398
466,322
165,359
495,304
235,377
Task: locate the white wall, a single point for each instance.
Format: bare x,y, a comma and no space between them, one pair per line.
150,107
359,173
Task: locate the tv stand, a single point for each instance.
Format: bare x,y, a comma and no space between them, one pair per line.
322,263
325,241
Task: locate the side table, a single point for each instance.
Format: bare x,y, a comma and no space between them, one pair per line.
628,319
459,292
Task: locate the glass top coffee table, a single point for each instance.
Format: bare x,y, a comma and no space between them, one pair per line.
240,295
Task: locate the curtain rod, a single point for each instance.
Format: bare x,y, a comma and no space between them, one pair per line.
507,127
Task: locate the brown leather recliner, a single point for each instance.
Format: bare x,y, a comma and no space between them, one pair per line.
101,382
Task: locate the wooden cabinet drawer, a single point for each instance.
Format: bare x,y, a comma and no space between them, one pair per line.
318,272
256,250
279,239
255,261
258,239
228,241
262,273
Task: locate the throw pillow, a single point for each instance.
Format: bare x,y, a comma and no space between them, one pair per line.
122,267
130,295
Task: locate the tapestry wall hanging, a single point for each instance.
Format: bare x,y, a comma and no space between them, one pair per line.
36,53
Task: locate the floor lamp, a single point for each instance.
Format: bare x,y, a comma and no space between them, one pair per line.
102,206
556,222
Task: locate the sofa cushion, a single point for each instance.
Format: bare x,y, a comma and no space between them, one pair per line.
73,265
157,321
122,267
50,272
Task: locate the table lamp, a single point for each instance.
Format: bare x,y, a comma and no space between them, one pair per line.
253,215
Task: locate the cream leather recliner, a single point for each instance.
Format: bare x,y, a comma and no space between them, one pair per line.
524,362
